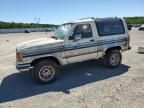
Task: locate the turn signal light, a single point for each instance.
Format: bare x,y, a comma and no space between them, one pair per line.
18,57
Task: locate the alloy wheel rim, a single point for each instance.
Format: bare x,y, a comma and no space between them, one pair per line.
46,73
115,59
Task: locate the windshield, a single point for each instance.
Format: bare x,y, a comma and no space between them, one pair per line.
63,31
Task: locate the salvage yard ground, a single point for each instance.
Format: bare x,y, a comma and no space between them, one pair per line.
81,85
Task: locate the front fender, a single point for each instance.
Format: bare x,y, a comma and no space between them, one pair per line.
34,58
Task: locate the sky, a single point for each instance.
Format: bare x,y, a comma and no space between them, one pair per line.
60,11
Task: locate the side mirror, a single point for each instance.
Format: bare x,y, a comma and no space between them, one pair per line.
71,37
75,37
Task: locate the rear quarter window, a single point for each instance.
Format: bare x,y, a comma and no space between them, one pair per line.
110,27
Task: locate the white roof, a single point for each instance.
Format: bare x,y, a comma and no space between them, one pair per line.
81,20
89,19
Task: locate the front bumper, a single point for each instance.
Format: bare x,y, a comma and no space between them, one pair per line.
22,66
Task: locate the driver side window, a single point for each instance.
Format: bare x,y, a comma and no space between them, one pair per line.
84,30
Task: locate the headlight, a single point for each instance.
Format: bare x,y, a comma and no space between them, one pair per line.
19,57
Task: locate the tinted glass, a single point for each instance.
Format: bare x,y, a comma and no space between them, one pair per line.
110,27
84,30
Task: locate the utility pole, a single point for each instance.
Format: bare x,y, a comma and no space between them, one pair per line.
37,20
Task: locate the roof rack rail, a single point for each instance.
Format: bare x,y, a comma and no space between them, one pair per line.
87,18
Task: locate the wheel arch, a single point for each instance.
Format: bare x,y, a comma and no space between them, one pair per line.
35,61
113,48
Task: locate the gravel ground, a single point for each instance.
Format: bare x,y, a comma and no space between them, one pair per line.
81,85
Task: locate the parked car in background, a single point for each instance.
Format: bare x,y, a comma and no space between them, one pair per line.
27,31
141,28
136,25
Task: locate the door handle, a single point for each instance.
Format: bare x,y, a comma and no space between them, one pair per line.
92,40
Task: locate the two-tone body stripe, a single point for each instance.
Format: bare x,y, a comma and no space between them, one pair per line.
71,47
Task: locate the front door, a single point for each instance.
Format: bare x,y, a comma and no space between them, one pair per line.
81,45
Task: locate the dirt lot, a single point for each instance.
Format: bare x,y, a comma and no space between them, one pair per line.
81,85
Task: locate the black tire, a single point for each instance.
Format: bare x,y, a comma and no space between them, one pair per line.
42,70
111,62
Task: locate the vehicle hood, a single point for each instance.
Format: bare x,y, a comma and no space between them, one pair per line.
43,43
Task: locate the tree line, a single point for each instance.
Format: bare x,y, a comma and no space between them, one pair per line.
12,25
134,20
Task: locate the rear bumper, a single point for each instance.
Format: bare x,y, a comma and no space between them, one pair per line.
22,67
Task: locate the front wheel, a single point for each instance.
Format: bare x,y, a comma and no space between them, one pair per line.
113,58
45,71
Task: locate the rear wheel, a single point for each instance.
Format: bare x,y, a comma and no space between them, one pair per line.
45,71
113,58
